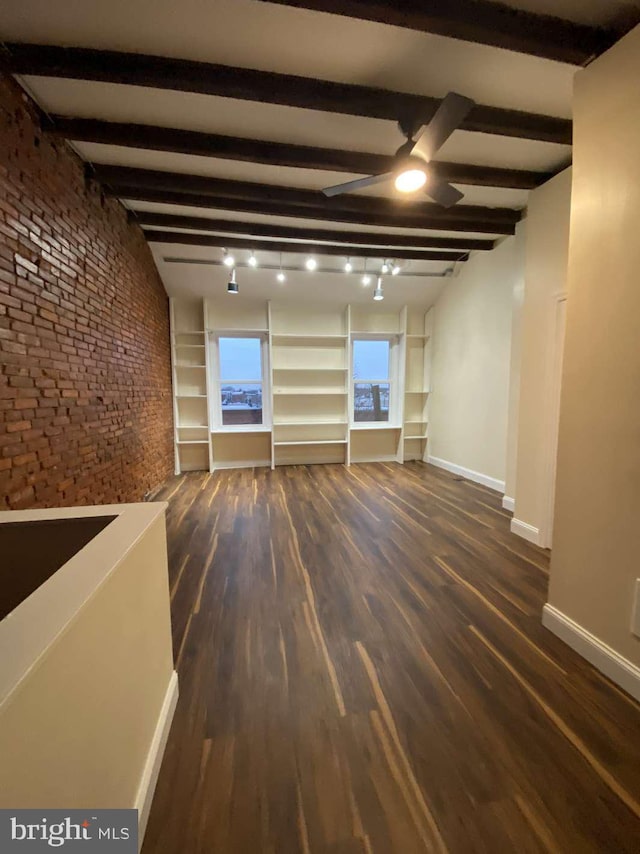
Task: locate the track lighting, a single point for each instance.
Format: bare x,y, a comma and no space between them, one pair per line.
311,264
377,294
232,285
281,277
395,269
253,261
385,268
366,279
348,267
228,260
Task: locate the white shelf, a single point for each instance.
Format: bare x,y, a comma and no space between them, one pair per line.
375,425
188,332
416,421
248,428
312,370
192,426
416,391
185,365
311,442
299,393
292,336
410,438
189,346
417,335
375,333
192,442
308,423
188,396
231,331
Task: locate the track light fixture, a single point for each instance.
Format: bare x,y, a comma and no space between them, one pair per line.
311,264
366,279
385,268
253,261
281,276
377,294
395,269
232,285
228,260
348,267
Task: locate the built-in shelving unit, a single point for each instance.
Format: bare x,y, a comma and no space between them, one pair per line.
417,384
190,386
308,384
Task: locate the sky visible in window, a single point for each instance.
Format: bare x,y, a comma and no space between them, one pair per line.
240,359
371,360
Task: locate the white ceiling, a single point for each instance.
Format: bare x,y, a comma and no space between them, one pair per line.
270,37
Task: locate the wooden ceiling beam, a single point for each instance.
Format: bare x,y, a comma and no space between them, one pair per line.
201,144
257,230
249,84
186,239
479,21
248,190
320,214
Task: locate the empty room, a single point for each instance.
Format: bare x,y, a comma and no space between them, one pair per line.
319,419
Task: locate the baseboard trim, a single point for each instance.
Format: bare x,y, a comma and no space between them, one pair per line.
526,531
620,670
475,476
149,778
509,503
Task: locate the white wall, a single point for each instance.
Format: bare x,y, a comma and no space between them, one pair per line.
545,273
595,563
469,404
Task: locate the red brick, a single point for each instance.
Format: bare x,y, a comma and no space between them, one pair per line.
85,394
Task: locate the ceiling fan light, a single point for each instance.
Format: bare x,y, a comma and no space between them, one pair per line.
411,180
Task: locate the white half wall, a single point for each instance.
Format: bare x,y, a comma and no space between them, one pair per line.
470,399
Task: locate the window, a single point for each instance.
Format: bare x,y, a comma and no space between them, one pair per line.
239,376
373,382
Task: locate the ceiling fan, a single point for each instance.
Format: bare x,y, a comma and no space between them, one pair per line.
412,157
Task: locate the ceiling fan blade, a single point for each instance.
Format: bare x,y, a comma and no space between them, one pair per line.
448,117
441,192
358,184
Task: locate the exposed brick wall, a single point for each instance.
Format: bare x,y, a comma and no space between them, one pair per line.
85,385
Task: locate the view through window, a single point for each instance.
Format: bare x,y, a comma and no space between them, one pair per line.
371,380
240,380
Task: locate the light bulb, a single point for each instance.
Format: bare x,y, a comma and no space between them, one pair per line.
232,286
281,277
395,270
228,260
366,279
311,264
411,180
385,267
253,261
377,294
348,267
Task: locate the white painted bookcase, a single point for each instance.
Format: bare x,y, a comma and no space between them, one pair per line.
308,393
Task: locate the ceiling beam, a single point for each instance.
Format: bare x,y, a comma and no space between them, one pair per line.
479,21
321,214
248,190
186,239
201,144
248,84
390,242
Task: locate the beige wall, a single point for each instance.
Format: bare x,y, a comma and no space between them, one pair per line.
545,272
596,530
91,704
469,405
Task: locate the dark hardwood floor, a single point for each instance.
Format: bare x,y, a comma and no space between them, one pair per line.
363,669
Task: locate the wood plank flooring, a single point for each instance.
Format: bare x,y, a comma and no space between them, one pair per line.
363,670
